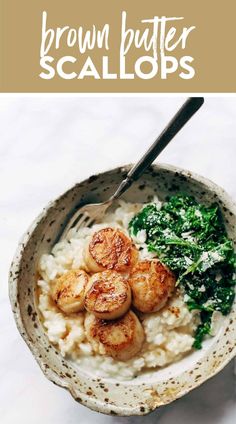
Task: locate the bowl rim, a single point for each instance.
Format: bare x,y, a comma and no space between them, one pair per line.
95,404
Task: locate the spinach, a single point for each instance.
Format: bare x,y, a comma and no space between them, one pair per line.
191,239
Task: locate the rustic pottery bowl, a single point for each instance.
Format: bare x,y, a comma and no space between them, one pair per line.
143,394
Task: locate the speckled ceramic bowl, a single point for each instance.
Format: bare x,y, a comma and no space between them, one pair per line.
143,394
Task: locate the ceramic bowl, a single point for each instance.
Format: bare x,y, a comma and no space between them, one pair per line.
143,394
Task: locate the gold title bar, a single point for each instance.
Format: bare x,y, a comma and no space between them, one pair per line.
117,46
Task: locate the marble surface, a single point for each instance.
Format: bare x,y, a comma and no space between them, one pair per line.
47,144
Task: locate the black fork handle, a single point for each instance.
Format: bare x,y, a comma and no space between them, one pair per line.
183,115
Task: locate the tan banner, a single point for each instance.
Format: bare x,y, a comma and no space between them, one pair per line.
117,46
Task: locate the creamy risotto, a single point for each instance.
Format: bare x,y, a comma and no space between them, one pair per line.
168,332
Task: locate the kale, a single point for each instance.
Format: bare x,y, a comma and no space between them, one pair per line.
203,329
191,239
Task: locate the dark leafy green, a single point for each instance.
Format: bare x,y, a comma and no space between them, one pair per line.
203,329
191,239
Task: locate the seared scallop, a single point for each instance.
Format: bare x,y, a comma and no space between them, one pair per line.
122,338
152,284
68,291
108,295
110,249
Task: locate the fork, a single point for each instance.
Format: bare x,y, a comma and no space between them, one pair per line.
88,214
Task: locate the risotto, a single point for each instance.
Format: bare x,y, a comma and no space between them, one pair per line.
168,332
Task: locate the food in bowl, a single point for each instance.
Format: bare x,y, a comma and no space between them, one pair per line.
108,295
69,290
98,298
110,248
121,338
191,239
152,285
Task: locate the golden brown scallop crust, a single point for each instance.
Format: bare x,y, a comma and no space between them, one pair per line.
68,291
108,295
152,284
122,338
111,249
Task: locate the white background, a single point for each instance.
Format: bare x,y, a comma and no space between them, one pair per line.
47,144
